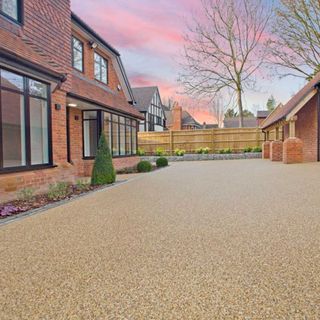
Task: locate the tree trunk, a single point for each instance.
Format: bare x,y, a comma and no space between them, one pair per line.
239,101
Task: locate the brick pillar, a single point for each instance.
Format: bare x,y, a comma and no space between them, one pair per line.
177,117
266,150
276,150
292,151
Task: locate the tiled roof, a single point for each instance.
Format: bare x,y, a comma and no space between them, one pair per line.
282,111
248,122
143,97
262,114
25,51
101,96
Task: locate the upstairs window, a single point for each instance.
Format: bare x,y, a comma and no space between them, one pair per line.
77,54
12,9
100,68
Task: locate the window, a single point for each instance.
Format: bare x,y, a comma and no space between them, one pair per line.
120,133
24,122
90,133
100,68
77,54
12,9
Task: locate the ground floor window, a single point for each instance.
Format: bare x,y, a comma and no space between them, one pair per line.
24,122
120,133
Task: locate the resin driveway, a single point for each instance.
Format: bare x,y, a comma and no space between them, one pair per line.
198,240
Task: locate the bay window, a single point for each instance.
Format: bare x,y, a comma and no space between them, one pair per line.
120,133
24,122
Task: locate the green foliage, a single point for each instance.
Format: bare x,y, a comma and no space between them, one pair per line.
141,152
221,151
144,166
26,194
247,150
205,150
228,151
162,162
271,103
247,114
58,190
103,171
160,152
179,152
82,185
230,113
257,149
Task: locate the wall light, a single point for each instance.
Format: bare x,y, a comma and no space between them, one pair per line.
72,105
93,44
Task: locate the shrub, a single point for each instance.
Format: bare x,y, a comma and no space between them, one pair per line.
228,151
257,149
103,171
82,185
144,166
141,152
222,151
160,152
179,152
247,150
205,150
26,194
162,162
9,210
58,190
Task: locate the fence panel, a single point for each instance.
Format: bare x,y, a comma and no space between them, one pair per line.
190,140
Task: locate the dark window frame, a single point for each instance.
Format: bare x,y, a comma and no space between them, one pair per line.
100,127
82,54
101,58
27,96
20,13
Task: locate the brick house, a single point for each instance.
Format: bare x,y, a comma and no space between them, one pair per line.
179,119
61,85
299,120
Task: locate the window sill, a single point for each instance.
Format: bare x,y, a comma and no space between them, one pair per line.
24,169
10,19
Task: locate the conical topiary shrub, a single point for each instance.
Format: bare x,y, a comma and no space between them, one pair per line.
103,171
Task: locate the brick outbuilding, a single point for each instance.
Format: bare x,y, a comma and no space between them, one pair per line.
61,85
300,123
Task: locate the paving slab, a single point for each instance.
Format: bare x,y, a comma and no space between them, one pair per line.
199,240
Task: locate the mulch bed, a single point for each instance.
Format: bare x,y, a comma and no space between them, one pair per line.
16,207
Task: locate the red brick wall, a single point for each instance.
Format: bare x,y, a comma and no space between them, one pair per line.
307,130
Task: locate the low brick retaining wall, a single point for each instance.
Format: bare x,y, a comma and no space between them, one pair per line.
200,157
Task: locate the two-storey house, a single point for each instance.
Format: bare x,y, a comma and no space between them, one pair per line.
148,102
61,85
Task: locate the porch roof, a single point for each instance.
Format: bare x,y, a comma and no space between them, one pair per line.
282,112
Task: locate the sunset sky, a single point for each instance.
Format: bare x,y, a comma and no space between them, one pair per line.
148,35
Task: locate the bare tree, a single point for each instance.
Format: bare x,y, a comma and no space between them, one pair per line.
219,109
295,45
224,48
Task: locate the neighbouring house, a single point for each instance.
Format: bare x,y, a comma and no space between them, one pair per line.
299,119
61,85
148,102
261,116
248,122
210,125
179,119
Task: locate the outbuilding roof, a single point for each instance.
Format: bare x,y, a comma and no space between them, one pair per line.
282,111
143,97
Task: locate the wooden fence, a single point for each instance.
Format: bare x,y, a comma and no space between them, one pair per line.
191,140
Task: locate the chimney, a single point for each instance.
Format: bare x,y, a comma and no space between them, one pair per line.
204,125
177,117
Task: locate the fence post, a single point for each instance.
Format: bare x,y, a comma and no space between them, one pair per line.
171,142
212,140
